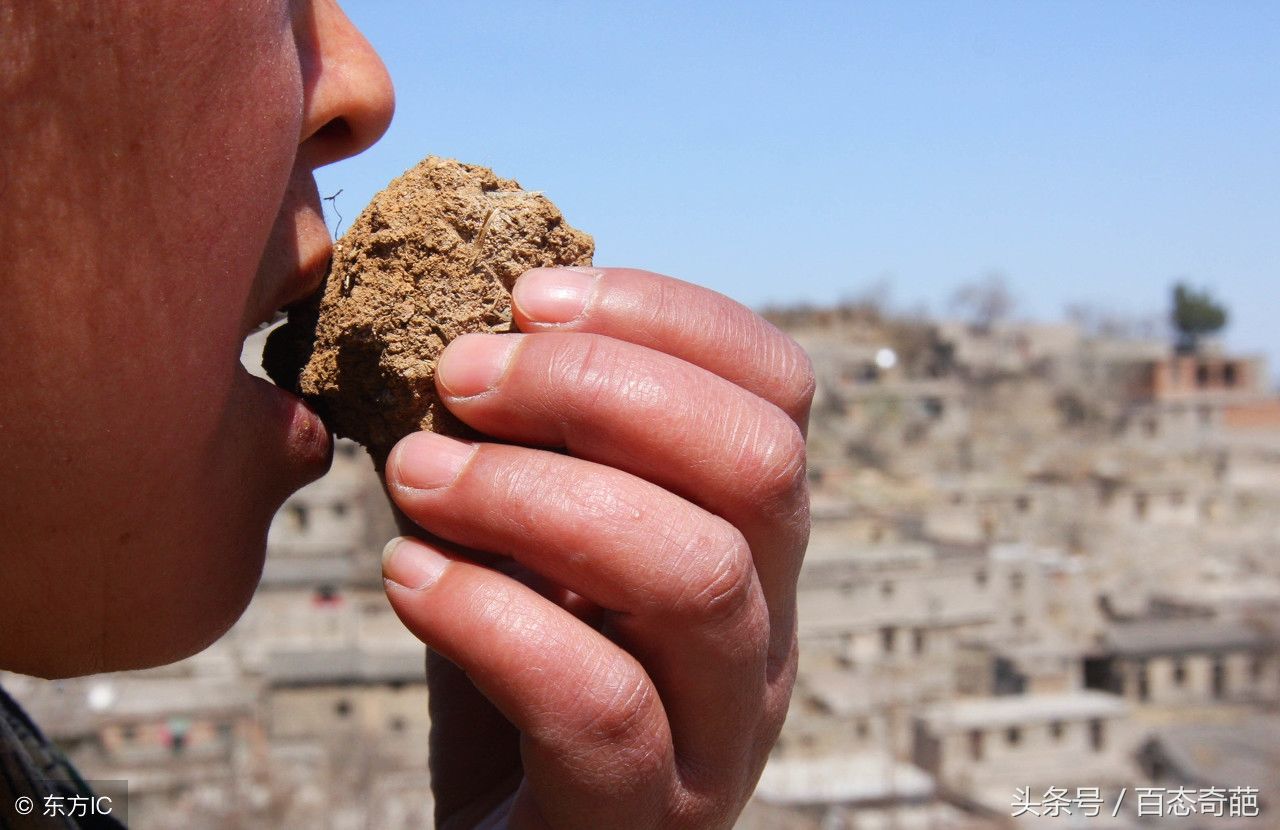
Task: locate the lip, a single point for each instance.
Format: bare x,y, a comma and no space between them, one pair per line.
307,440
305,282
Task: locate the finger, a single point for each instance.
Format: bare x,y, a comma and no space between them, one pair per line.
658,417
678,583
474,750
682,319
595,741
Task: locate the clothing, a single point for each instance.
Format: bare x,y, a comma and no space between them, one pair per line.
31,767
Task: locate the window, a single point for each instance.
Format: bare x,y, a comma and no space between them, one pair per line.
340,509
297,517
1013,735
1179,673
129,732
178,728
819,705
397,724
342,708
980,577
1219,679
862,728
918,640
886,639
1229,376
975,744
1202,375
1056,730
1016,580
1023,504
1097,734
886,589
1255,668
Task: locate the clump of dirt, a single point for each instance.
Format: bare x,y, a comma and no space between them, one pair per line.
432,257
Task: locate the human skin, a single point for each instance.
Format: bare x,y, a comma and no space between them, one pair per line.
637,669
610,608
158,201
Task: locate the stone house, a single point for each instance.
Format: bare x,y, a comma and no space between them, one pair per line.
1186,661
982,749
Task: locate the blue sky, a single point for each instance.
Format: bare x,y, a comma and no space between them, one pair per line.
1092,152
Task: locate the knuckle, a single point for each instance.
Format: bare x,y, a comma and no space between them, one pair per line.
723,583
590,372
773,467
801,380
621,716
523,486
612,738
792,376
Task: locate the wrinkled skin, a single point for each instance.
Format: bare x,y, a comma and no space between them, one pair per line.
637,669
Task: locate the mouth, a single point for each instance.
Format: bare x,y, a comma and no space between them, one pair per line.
308,438
308,282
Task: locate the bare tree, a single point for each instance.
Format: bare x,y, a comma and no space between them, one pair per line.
984,302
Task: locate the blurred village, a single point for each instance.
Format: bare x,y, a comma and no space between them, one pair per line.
1043,588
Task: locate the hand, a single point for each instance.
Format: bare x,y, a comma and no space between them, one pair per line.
612,619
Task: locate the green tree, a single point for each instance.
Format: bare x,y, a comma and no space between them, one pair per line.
1195,314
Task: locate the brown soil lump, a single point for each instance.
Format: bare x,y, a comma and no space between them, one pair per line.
432,257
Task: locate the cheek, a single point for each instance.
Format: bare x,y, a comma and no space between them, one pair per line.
152,170
149,186
212,142
227,176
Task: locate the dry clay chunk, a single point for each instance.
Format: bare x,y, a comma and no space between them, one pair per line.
432,257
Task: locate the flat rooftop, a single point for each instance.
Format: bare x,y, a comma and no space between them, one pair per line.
970,713
843,779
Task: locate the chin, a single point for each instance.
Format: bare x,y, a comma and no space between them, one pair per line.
205,570
199,583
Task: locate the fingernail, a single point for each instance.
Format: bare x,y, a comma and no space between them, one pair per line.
411,564
427,461
474,363
555,295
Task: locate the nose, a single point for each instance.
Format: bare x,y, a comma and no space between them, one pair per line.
347,95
